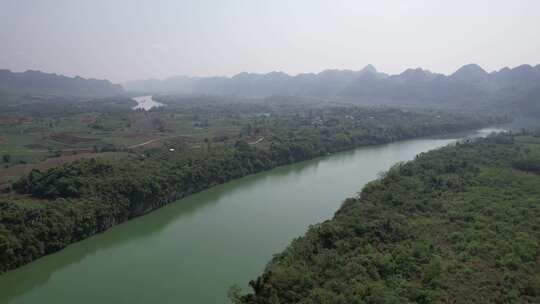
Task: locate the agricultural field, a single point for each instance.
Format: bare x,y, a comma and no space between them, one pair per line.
29,140
38,135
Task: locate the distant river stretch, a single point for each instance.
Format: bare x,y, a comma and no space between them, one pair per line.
146,103
193,250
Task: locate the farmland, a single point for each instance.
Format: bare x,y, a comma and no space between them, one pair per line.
31,137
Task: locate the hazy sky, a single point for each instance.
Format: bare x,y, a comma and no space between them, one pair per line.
129,39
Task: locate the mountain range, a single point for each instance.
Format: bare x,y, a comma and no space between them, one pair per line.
335,82
470,85
508,90
40,83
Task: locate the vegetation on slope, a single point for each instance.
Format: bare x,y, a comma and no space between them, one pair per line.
456,225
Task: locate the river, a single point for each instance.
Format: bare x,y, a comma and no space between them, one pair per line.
193,250
146,103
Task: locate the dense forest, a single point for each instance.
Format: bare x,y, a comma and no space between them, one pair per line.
44,211
456,225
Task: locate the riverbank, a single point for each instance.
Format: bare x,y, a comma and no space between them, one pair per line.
459,224
201,245
89,197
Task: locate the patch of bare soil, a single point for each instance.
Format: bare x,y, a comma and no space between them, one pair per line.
71,139
88,119
5,120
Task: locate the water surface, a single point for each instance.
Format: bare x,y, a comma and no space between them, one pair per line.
193,250
146,103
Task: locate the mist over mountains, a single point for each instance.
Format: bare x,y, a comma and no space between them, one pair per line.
510,90
470,86
342,83
40,83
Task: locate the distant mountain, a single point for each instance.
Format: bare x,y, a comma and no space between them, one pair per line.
523,75
176,84
414,75
529,102
472,73
324,84
470,87
39,83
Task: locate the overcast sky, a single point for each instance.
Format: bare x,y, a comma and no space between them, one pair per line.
129,39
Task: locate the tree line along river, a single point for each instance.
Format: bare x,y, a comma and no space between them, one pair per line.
193,250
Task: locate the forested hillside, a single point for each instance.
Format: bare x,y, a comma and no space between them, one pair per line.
456,225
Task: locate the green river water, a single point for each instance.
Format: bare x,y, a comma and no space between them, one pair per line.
193,250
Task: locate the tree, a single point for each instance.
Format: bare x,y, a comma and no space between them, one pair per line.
6,158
